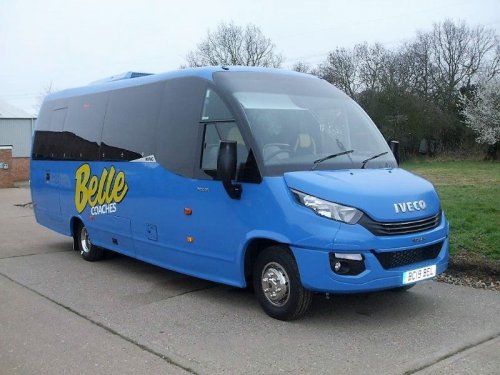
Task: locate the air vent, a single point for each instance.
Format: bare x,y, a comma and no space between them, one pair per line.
399,258
400,227
119,77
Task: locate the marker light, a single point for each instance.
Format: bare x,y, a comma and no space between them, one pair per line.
330,210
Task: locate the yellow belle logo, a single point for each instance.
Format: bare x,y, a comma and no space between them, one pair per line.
100,193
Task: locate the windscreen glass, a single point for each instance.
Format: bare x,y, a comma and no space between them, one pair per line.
301,123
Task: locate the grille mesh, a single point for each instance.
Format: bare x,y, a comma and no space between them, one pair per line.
393,259
400,227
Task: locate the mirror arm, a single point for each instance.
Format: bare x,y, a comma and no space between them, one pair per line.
395,150
233,190
226,168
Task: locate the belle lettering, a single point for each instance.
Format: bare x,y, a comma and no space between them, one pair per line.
94,190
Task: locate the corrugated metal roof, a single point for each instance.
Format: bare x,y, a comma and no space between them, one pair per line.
9,111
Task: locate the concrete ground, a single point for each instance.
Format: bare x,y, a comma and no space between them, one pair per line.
60,314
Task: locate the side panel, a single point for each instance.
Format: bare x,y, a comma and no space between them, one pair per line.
45,176
108,226
44,180
137,208
140,212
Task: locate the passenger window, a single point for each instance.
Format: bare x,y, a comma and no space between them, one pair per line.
83,127
214,108
55,141
214,134
57,120
130,123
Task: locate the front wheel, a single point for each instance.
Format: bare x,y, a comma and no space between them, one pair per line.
277,284
87,250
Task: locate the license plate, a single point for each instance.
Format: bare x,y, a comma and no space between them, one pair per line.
419,274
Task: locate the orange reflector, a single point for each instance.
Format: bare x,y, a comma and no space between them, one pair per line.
188,211
189,239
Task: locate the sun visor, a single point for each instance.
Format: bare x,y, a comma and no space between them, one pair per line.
258,100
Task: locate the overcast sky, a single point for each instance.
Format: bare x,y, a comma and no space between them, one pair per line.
71,43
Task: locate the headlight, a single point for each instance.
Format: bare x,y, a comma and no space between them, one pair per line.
334,211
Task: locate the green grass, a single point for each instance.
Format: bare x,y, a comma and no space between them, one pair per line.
470,197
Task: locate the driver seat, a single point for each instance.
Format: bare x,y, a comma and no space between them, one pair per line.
305,145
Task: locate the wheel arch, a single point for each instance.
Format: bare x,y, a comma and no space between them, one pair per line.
252,250
74,223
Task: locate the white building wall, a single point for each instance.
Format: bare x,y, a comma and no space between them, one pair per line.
18,133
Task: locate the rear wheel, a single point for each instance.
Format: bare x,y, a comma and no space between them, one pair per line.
88,251
277,284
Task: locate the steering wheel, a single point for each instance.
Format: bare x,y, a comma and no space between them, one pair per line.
283,148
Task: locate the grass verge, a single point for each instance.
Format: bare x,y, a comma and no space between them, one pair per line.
470,197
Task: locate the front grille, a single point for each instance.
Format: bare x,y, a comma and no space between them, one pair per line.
392,259
400,227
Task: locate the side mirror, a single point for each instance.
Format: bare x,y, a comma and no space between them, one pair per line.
395,150
226,168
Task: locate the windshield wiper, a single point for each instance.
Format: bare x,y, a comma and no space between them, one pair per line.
342,147
317,162
373,157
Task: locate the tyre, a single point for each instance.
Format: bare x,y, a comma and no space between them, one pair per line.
277,284
87,250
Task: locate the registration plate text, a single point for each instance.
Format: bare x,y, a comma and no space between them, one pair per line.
419,274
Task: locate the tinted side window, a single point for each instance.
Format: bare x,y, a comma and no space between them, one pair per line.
214,134
177,133
130,123
48,140
58,118
83,127
214,108
219,125
56,139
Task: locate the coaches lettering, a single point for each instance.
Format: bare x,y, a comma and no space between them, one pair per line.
101,193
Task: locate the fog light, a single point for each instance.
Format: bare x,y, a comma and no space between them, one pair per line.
337,266
343,268
347,264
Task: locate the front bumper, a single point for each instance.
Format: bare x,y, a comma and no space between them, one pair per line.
316,273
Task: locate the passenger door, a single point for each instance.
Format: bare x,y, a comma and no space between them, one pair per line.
215,225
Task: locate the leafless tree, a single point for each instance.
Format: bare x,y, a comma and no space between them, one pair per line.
234,45
416,58
302,67
420,81
341,68
364,67
46,90
373,62
456,56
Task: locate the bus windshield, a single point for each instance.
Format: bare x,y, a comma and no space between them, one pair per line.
304,123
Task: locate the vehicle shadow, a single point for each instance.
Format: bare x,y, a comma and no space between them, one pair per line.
380,307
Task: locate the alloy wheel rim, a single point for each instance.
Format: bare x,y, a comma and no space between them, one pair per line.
85,240
275,284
